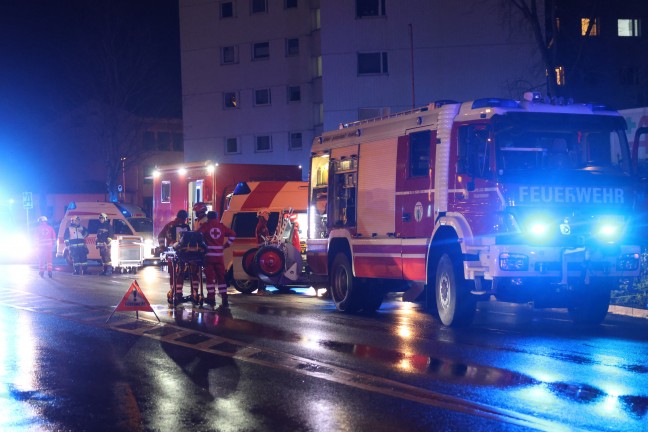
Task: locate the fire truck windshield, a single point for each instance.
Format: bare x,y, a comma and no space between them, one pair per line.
552,142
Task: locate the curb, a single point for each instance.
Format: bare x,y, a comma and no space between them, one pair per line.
628,311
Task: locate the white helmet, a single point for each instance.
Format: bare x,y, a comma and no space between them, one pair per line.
42,219
103,215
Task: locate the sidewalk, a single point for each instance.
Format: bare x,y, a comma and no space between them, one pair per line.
628,311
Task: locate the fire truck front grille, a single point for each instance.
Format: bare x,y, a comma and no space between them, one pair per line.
555,266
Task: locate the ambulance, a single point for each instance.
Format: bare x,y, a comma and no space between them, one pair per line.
281,199
128,250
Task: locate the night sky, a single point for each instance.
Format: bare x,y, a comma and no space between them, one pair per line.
46,50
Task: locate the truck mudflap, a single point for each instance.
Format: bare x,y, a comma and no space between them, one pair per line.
561,264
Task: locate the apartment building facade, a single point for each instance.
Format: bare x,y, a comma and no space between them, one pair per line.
261,78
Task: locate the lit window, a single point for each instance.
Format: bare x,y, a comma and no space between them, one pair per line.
295,141
229,55
165,192
367,8
628,27
560,75
372,63
230,99
262,97
261,50
589,27
294,94
292,47
259,6
232,146
227,9
263,143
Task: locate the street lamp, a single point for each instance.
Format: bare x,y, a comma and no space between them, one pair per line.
123,161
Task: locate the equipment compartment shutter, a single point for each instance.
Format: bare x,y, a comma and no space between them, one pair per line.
376,188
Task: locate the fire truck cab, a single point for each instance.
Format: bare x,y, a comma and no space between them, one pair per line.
521,201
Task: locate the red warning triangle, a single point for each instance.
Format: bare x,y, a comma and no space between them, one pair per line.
134,300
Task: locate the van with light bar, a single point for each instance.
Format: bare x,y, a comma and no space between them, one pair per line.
525,201
128,250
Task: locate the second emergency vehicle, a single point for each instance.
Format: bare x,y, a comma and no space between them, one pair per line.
278,198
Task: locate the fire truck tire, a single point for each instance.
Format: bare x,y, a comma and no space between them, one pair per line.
455,304
270,261
244,286
247,262
591,307
346,290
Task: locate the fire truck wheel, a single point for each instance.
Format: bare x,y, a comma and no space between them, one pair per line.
270,261
247,262
592,305
244,286
455,305
345,289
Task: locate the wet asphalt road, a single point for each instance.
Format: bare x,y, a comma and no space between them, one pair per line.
291,362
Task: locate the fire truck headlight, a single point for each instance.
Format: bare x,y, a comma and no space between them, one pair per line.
609,230
513,262
538,229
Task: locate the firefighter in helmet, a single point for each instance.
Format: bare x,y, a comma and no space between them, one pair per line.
200,210
105,235
75,236
45,238
218,237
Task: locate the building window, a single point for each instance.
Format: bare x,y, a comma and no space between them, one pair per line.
372,63
149,141
368,8
295,142
164,141
165,195
262,143
290,4
294,93
560,75
178,142
232,146
227,9
259,6
229,55
292,47
230,100
261,51
262,97
629,27
589,27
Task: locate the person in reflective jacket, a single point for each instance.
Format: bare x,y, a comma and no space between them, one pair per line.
218,237
105,235
75,236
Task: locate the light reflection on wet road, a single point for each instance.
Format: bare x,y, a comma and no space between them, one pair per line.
526,366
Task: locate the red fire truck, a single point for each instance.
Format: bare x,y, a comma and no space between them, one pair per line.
521,201
180,186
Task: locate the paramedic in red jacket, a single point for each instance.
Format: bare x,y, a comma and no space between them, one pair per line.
45,238
218,237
